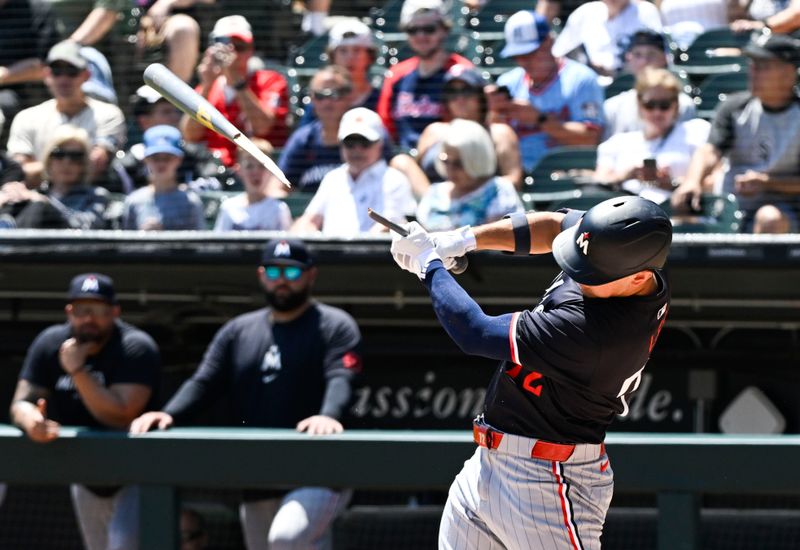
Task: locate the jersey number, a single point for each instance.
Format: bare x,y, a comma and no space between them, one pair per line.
527,381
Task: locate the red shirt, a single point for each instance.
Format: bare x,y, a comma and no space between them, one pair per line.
272,92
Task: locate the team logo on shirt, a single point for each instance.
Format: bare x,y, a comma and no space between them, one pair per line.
271,365
583,242
590,110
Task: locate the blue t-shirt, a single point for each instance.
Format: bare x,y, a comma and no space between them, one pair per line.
305,159
573,95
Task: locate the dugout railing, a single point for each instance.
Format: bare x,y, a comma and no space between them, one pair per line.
677,468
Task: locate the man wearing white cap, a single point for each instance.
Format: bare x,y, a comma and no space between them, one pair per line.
352,46
339,207
256,102
549,101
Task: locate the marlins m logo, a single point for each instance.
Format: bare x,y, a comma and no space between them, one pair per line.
283,249
90,284
583,242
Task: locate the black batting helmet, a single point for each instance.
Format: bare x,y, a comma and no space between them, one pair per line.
614,239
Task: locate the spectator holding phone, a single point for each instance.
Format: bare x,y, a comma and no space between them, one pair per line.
666,143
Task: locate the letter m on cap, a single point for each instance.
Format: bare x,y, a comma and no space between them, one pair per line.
282,249
90,284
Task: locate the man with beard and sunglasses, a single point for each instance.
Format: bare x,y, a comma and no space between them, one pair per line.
96,371
287,365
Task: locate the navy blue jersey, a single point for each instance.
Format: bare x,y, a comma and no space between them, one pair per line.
575,360
275,374
129,357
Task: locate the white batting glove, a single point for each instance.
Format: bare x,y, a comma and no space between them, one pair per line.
453,244
414,252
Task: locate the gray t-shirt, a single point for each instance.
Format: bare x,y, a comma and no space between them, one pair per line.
180,209
622,113
754,138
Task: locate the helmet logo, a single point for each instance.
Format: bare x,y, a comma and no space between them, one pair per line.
583,242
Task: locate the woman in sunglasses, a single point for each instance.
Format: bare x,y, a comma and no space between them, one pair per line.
652,161
472,194
65,200
463,99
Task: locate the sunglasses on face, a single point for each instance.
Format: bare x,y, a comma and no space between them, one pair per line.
330,93
421,29
66,154
238,45
660,104
288,272
94,310
455,93
65,70
351,142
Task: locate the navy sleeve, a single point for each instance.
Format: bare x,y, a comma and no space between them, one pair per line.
142,361
209,382
342,362
471,329
41,353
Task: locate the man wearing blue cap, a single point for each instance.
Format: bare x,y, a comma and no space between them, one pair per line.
549,101
163,204
96,371
288,365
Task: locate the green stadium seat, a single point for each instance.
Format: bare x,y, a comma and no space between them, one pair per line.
699,59
719,214
387,17
297,202
715,89
558,162
621,83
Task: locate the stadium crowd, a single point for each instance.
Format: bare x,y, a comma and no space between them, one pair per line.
628,82
447,135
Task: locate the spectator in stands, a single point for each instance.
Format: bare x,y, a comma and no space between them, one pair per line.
664,138
289,365
684,20
352,46
313,150
65,200
411,97
759,133
781,17
464,98
254,209
548,101
603,28
96,371
193,530
256,102
27,32
365,180
198,167
647,49
164,204
32,128
10,170
178,32
472,193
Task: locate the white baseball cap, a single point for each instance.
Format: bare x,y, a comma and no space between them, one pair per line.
350,32
233,26
525,31
412,8
361,122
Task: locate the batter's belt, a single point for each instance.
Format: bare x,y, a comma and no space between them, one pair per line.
486,436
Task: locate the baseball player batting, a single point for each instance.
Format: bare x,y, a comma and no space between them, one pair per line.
540,477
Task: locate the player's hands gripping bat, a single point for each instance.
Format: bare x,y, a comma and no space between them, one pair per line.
180,94
458,263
